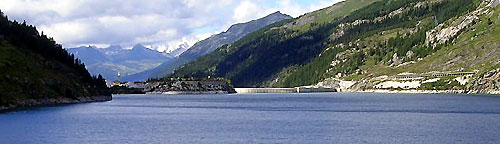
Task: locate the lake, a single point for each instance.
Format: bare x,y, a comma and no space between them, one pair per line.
262,118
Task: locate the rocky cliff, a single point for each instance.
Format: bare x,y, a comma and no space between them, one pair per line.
190,87
488,82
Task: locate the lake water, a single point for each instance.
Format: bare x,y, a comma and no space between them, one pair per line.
262,118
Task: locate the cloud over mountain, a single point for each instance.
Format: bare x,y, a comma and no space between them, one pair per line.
159,24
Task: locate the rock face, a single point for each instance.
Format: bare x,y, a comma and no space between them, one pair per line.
126,90
444,33
488,83
208,45
338,84
190,87
494,3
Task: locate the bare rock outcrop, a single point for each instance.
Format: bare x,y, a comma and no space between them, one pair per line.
190,87
446,32
488,83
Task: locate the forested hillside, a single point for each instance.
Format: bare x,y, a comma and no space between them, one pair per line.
35,70
378,33
368,42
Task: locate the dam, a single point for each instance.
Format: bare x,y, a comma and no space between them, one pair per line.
285,90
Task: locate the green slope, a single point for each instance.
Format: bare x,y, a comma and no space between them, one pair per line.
476,49
381,38
260,55
371,44
36,71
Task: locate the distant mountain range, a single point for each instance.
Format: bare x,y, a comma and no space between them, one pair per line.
201,48
114,59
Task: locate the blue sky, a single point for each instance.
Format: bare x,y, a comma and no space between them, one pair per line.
159,24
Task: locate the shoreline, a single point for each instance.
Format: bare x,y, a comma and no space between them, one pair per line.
412,91
347,91
189,92
423,92
32,103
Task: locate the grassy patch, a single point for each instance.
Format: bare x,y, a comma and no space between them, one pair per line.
443,84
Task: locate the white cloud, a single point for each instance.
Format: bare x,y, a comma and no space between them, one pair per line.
248,10
70,31
295,9
161,24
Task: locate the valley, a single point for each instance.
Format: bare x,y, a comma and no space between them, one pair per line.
240,71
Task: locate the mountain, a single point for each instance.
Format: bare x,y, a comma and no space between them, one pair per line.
178,51
109,61
89,55
35,71
370,44
261,55
138,52
234,33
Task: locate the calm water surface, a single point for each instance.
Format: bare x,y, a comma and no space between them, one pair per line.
262,118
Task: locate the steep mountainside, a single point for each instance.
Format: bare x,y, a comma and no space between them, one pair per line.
114,59
208,45
384,44
35,71
234,33
263,54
